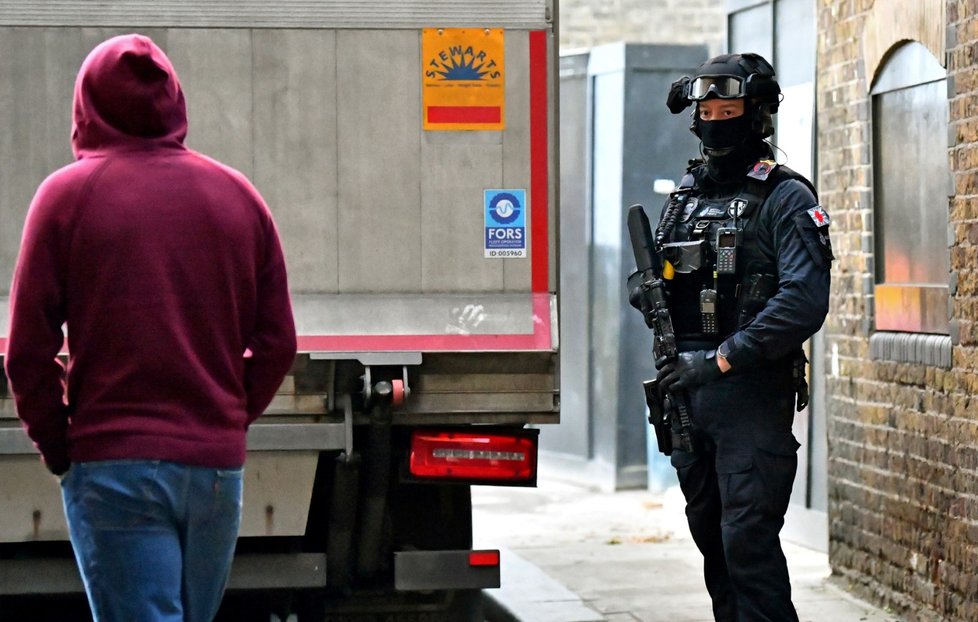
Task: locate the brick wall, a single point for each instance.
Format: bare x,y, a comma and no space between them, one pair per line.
903,456
585,23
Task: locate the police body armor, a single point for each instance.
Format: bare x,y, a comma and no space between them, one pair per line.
718,275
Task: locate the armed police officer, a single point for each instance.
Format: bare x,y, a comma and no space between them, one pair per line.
745,255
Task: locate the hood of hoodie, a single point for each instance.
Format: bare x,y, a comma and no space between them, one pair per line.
127,96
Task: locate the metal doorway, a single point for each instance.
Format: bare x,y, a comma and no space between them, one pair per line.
783,31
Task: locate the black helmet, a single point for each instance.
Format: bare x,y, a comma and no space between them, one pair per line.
731,76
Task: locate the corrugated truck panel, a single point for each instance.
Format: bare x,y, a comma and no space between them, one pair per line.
278,14
328,123
379,107
304,153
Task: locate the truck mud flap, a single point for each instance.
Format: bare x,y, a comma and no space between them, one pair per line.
47,576
446,570
274,571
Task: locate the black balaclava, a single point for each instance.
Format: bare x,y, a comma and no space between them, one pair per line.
730,147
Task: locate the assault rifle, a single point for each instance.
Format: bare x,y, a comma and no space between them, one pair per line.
670,416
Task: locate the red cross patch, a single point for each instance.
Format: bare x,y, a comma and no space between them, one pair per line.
819,215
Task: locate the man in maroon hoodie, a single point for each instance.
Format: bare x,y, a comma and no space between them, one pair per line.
166,268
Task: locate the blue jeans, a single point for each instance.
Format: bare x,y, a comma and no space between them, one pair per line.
153,540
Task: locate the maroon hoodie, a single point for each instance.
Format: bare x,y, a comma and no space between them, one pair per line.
166,268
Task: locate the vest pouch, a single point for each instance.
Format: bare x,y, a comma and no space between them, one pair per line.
687,257
757,290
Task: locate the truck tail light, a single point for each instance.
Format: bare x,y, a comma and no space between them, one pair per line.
484,558
497,457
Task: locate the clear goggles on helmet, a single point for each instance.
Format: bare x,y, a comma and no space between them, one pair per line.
724,87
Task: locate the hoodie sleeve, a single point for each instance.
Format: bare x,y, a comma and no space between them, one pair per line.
273,343
37,313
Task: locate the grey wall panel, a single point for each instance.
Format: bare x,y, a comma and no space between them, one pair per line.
573,435
795,28
215,70
278,14
606,313
516,141
750,30
452,224
379,116
37,78
295,149
27,139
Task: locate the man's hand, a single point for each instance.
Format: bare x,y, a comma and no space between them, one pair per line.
689,370
59,469
722,363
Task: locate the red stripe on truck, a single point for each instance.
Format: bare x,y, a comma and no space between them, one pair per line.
539,163
464,114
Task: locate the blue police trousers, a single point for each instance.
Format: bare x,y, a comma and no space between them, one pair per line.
737,486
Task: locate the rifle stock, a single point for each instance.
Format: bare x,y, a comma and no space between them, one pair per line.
648,280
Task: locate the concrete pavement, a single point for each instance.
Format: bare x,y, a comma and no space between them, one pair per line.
574,554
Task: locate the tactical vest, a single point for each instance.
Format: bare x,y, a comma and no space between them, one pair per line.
723,268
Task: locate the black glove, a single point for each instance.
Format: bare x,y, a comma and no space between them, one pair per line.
688,371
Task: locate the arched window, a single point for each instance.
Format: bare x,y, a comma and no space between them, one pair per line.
911,186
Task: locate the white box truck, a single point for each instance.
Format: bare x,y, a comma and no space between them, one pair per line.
407,150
